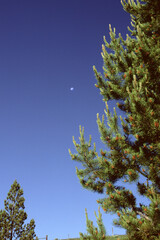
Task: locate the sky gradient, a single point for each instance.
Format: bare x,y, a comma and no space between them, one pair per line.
48,47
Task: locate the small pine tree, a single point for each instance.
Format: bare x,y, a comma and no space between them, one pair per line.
13,217
94,233
132,78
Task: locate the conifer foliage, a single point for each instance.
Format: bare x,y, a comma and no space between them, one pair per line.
132,78
94,233
12,218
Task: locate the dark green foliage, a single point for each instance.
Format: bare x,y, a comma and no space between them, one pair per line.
132,78
13,217
116,237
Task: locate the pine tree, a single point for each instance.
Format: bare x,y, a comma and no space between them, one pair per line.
94,233
132,78
13,217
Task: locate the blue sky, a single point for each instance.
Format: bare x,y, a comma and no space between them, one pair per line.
46,48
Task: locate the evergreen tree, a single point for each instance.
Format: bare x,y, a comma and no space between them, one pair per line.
13,217
94,233
132,78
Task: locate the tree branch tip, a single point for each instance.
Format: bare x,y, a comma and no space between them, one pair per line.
94,68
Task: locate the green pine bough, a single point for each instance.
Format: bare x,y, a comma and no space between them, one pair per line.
93,232
131,77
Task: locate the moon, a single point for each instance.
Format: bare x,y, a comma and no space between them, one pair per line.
72,88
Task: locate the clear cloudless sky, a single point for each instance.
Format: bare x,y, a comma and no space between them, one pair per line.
48,47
